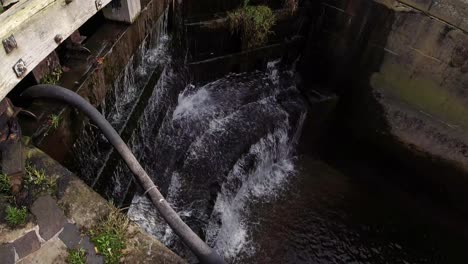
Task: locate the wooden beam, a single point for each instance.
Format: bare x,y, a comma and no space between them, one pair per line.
38,27
123,10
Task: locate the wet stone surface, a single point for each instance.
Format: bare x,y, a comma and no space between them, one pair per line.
50,217
7,254
70,236
27,244
91,256
54,230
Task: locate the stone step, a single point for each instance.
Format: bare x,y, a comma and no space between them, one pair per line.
63,220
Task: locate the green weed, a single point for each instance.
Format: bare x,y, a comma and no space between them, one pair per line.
109,236
54,121
254,24
39,181
16,216
53,77
76,256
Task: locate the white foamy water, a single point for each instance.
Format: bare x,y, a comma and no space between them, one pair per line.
222,149
227,231
191,104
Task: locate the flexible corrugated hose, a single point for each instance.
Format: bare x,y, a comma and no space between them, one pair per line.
204,253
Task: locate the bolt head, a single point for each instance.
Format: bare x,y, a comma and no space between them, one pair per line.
98,4
9,44
58,38
19,68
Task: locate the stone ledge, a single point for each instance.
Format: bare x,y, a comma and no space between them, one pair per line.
63,224
48,216
84,208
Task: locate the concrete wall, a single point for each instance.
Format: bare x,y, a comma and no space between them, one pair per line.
401,69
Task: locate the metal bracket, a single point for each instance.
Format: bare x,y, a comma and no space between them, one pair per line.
20,68
9,44
98,4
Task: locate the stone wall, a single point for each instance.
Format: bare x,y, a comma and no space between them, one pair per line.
401,70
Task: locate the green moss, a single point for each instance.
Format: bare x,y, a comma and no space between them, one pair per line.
76,256
422,93
53,77
109,236
254,24
16,216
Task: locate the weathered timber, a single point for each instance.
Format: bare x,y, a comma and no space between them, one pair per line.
123,10
35,25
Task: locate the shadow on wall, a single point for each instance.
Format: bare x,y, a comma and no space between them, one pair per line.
401,77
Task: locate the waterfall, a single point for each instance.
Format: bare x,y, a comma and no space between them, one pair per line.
220,149
94,158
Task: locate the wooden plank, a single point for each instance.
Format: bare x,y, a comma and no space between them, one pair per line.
34,25
6,3
123,10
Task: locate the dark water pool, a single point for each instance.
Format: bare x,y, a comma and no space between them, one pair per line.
327,216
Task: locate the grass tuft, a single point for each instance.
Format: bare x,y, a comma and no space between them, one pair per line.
109,236
16,216
254,24
54,121
76,256
39,181
53,77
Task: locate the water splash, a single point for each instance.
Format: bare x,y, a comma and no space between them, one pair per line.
221,148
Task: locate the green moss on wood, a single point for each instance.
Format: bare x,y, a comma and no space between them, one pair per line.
254,24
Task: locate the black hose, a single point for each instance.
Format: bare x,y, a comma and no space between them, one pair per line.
204,253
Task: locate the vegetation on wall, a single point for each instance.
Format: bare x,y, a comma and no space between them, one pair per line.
254,24
109,236
53,77
16,216
37,182
54,120
76,256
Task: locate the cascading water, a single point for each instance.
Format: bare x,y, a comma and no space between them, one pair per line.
223,154
93,154
222,148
